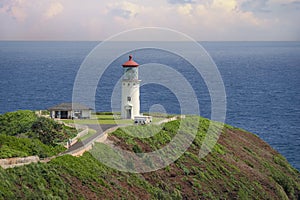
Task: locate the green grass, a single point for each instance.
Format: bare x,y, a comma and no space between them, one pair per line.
95,121
100,119
217,176
23,133
11,146
90,134
106,119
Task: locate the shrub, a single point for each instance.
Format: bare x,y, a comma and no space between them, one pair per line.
11,146
25,123
137,149
14,123
47,131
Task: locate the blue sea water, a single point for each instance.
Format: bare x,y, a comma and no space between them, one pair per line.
261,81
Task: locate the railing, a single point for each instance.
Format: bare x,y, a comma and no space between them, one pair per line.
73,140
14,162
87,146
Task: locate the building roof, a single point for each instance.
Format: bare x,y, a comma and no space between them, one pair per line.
130,63
69,107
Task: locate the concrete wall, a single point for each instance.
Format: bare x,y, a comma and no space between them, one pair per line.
14,162
89,146
73,140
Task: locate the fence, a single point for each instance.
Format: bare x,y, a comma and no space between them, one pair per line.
88,146
73,140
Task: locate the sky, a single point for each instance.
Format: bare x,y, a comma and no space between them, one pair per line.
203,20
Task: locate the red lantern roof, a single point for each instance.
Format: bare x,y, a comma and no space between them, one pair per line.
130,63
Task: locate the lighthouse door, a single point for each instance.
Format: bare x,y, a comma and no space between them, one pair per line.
128,113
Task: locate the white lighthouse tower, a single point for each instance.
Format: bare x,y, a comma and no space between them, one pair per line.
130,106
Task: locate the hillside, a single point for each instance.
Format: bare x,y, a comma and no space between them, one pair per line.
241,166
23,133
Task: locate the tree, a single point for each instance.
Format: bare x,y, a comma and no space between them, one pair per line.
47,130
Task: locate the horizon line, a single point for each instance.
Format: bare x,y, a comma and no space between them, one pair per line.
150,41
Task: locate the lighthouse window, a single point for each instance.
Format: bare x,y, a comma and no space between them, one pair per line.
128,98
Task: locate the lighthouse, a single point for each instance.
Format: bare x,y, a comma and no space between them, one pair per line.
130,105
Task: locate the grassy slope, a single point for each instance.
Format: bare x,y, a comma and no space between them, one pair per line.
240,166
11,146
23,133
105,119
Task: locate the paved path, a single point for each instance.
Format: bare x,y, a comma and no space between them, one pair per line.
96,127
104,127
99,132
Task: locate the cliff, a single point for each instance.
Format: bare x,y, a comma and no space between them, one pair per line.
240,166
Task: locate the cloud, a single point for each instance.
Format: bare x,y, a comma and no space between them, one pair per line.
201,19
180,1
124,10
185,9
228,5
220,20
14,8
121,13
295,5
53,10
18,13
255,6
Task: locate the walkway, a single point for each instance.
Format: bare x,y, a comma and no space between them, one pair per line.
77,147
82,146
15,162
99,132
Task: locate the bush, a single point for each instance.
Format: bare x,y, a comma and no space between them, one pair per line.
8,152
137,149
11,146
47,131
14,123
25,123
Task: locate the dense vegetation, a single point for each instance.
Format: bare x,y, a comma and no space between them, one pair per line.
23,133
241,166
11,146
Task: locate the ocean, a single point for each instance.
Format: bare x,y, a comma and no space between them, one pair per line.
261,80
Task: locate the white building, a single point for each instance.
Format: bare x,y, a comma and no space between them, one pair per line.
130,106
70,111
142,119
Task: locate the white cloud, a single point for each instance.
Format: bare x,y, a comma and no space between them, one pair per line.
185,9
255,5
125,9
227,5
18,13
54,9
201,19
180,1
15,9
217,20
